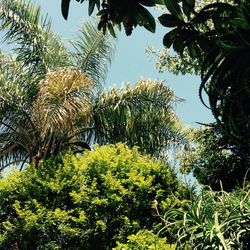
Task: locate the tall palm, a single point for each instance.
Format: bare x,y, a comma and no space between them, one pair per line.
48,100
45,90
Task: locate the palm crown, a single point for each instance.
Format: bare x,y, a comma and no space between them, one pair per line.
45,91
49,94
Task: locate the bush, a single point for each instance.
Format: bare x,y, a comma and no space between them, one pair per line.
212,220
145,240
88,201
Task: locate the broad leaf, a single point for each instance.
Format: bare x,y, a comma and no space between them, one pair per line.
174,8
188,7
168,39
169,20
65,8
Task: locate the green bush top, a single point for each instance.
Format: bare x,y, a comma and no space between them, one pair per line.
90,200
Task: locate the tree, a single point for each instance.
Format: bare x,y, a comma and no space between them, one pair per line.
112,13
50,105
45,91
218,35
215,37
87,201
145,239
213,161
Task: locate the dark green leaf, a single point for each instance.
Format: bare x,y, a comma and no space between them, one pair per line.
174,8
169,20
144,18
148,3
246,14
160,2
179,44
65,8
169,38
91,6
111,29
188,6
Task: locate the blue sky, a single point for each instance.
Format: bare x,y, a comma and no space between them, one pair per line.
130,61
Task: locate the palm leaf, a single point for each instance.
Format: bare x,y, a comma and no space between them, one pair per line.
63,99
34,43
93,52
142,116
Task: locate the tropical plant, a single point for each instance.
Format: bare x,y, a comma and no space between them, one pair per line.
212,220
213,161
218,35
48,107
210,38
143,116
45,92
88,201
112,13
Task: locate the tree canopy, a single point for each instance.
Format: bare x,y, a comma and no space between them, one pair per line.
52,99
213,161
89,201
215,36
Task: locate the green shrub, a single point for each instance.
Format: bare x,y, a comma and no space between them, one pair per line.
88,201
212,220
145,240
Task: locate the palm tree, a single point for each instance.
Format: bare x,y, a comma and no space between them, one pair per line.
49,99
45,88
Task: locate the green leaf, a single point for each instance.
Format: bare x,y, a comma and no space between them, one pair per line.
174,8
194,50
169,20
179,44
246,14
169,38
111,29
188,6
160,2
148,3
91,6
65,8
144,18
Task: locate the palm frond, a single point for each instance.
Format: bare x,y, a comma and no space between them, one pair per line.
64,98
34,43
16,87
16,140
93,52
143,116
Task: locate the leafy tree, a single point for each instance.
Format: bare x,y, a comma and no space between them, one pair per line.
213,39
213,161
49,106
87,201
143,116
218,35
129,13
145,240
44,91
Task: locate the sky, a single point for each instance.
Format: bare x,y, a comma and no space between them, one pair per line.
130,61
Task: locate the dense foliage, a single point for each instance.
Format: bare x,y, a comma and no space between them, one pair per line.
218,35
212,40
212,220
145,240
128,13
212,161
51,97
124,115
87,201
